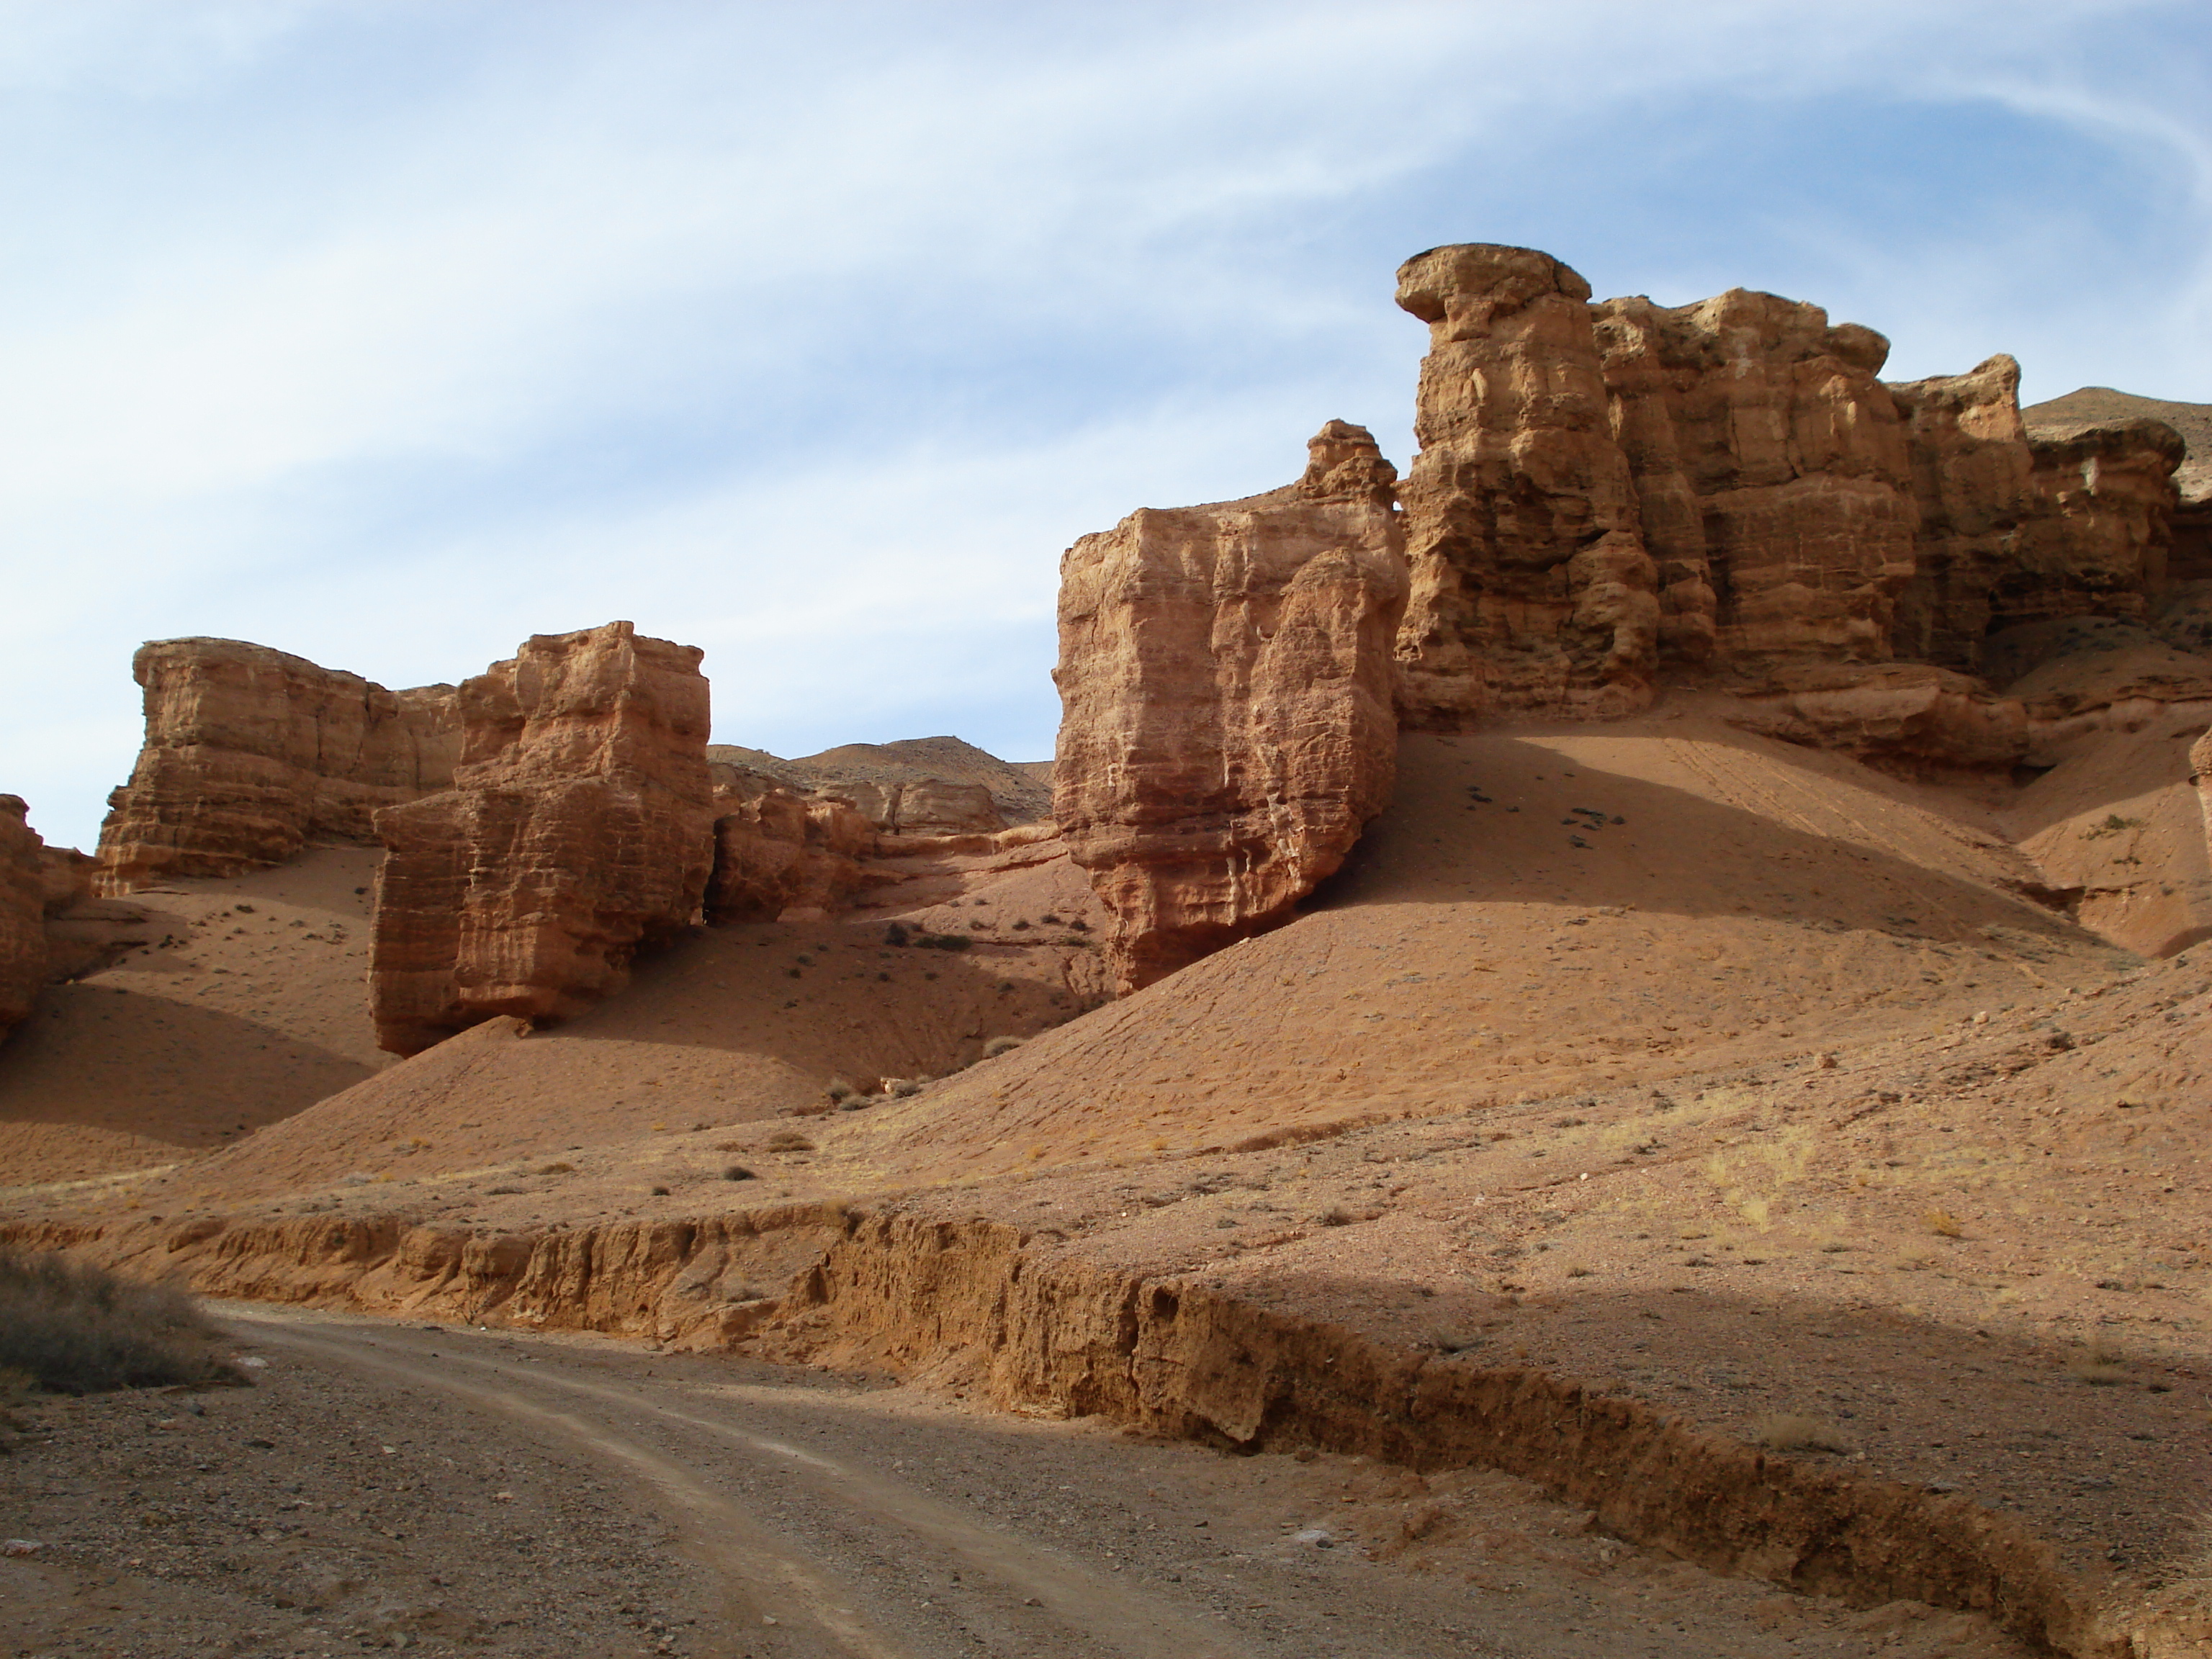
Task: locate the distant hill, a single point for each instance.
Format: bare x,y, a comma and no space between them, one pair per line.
1022,790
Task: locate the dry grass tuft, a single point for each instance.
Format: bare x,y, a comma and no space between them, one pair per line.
77,1329
1944,1224
2097,1365
1787,1432
788,1140
1000,1045
558,1169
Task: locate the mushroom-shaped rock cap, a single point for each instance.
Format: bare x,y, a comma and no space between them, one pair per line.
1459,289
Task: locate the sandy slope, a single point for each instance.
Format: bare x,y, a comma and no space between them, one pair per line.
242,1004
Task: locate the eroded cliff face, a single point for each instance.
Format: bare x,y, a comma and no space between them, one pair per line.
251,752
577,828
23,882
1225,679
1770,464
2098,546
1531,587
778,852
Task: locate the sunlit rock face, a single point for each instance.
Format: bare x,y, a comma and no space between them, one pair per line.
578,829
251,753
1531,586
1225,676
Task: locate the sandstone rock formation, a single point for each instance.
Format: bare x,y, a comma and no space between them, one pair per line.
1973,482
1225,679
2099,547
1774,469
576,829
1531,586
249,752
2189,558
915,786
778,852
22,913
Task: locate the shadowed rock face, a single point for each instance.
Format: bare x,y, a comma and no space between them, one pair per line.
777,851
2099,545
1531,587
1973,481
577,828
22,913
1225,679
251,752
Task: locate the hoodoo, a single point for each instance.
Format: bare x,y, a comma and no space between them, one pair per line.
577,827
1225,681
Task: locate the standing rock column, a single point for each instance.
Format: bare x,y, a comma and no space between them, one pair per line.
1531,586
577,828
1225,678
22,913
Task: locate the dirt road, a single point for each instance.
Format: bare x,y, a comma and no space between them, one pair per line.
456,1491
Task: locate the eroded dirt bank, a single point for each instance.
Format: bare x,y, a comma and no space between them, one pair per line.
977,1305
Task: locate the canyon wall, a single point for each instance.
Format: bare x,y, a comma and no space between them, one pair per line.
776,851
249,753
1225,679
577,828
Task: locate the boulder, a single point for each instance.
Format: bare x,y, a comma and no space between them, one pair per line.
249,753
1225,678
23,873
576,831
1531,586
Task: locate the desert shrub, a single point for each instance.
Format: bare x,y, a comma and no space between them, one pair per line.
945,942
838,1088
1797,1431
1944,1224
906,1087
789,1141
1335,1216
77,1330
558,1169
895,935
1450,1339
1049,920
1000,1045
738,1172
660,1192
1021,923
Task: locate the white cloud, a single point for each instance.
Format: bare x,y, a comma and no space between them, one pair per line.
390,333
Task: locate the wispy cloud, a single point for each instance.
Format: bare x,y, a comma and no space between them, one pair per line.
390,333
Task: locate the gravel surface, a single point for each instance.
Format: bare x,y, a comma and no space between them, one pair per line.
388,1486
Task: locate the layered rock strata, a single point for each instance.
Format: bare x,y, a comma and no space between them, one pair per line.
1225,679
576,831
1770,471
250,753
23,875
777,852
1531,587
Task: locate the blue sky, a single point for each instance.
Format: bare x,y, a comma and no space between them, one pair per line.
389,333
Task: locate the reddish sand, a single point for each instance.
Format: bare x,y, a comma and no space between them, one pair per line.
1732,1075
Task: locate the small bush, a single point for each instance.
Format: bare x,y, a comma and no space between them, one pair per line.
77,1329
945,942
1447,1338
1944,1224
1796,1431
789,1141
738,1172
838,1088
906,1087
2099,1366
660,1192
1000,1045
558,1169
1020,923
1335,1216
896,934
1049,920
